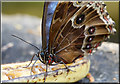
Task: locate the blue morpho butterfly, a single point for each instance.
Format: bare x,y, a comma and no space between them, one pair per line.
71,30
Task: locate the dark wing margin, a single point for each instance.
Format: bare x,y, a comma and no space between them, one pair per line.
49,8
44,39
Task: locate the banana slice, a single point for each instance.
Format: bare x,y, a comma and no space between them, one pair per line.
16,73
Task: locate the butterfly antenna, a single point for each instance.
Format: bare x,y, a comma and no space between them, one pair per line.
26,42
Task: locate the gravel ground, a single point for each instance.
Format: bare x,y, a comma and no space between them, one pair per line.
104,62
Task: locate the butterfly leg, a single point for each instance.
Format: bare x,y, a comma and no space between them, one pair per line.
66,67
61,62
30,61
32,67
45,75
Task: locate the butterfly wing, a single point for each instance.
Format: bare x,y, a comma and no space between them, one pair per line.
49,8
78,28
59,19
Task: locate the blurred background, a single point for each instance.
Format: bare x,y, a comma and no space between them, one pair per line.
23,19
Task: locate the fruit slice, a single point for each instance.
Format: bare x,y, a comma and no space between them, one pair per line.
16,73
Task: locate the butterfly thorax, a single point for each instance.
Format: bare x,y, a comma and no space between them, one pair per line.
46,58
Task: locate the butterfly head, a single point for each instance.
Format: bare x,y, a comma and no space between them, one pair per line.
45,57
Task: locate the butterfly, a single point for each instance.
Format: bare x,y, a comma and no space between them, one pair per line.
72,30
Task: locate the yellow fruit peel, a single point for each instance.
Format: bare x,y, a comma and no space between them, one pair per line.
16,73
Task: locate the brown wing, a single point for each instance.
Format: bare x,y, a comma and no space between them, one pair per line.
77,28
60,18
